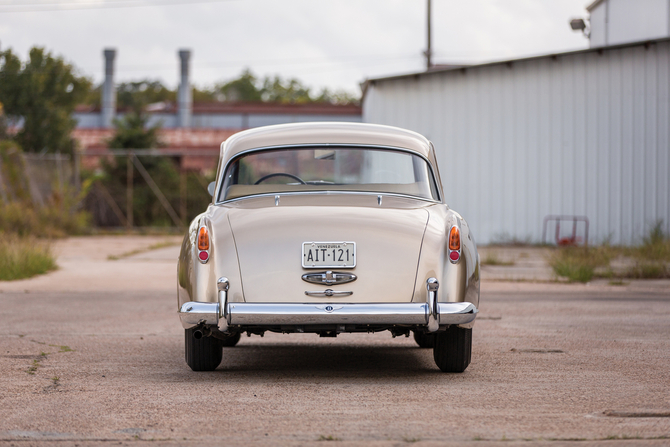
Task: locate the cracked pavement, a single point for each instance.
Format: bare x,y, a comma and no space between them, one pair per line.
552,363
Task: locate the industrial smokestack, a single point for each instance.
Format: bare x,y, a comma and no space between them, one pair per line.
185,100
108,89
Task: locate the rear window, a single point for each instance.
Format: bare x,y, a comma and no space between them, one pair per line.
328,169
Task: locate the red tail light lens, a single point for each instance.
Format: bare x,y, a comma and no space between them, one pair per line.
203,239
454,239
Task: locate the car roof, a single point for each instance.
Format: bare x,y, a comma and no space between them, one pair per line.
331,133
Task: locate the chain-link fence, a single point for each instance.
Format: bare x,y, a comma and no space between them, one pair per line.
118,188
147,187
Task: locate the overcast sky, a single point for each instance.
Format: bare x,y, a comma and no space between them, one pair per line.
325,43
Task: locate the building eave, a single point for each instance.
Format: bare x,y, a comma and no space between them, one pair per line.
593,5
509,62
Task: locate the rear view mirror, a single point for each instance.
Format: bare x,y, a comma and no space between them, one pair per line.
324,154
210,188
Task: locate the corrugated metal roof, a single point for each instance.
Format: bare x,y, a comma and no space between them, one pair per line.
434,71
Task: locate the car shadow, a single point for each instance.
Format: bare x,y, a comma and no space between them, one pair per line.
330,361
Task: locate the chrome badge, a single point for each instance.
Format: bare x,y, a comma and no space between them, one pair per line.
329,308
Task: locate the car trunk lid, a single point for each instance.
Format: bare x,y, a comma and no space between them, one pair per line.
269,242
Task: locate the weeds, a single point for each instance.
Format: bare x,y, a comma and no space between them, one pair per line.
33,367
493,259
137,251
52,220
328,438
62,348
579,264
23,257
653,256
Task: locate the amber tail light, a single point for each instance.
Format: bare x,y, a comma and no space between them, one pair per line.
203,245
454,244
203,239
454,239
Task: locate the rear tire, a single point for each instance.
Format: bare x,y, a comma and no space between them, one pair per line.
202,354
424,340
453,349
231,341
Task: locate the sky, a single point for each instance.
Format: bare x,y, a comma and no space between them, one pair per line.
335,44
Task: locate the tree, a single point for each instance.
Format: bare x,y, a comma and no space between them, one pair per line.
290,91
247,87
43,91
132,132
244,88
136,96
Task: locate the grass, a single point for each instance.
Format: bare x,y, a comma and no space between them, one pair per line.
651,260
24,257
137,251
579,264
54,220
493,259
653,256
328,438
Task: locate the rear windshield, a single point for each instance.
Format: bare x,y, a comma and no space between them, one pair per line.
328,169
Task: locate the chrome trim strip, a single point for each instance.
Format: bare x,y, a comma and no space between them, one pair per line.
316,145
328,292
295,193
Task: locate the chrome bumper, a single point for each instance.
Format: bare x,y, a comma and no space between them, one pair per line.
223,314
278,314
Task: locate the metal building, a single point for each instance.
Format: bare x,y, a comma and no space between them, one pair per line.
579,133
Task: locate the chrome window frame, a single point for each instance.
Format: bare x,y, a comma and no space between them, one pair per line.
219,181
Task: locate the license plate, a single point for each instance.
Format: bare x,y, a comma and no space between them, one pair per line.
328,255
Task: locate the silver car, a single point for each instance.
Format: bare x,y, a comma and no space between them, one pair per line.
328,228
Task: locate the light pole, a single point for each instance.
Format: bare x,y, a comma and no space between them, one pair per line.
428,53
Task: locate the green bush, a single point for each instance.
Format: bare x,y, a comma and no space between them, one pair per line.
24,257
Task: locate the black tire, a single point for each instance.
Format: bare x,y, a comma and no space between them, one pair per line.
453,349
231,341
203,354
424,340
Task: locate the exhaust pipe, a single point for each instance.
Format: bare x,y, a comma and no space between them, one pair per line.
198,334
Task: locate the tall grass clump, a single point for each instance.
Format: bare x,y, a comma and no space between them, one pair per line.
579,264
23,257
53,220
652,258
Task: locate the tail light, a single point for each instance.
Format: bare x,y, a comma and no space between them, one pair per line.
454,244
203,244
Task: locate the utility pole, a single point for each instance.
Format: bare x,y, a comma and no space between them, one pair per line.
428,53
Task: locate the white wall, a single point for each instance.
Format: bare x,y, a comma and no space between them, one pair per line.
616,22
579,134
598,24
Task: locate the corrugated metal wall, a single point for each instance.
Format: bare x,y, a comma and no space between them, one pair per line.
580,134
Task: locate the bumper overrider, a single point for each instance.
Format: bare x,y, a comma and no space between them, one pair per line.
223,314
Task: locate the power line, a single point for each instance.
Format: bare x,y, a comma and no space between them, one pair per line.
69,5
